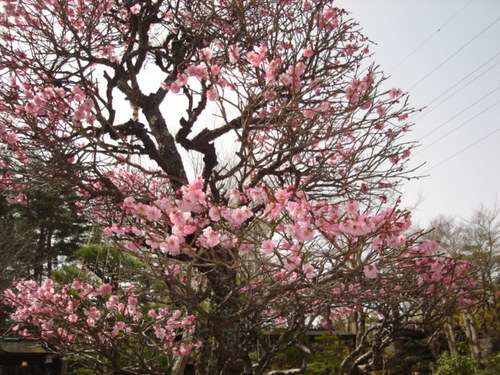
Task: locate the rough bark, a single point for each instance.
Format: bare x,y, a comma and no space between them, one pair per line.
472,334
450,336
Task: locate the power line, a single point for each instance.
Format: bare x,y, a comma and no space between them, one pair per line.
459,113
429,37
454,54
462,150
460,126
460,89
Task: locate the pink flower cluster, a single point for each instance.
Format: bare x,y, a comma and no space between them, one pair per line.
189,222
255,58
328,19
292,77
357,88
80,315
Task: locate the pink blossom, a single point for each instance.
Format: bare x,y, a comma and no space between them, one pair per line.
73,318
215,70
308,270
135,9
370,271
308,113
188,229
210,238
303,232
245,247
78,94
258,194
292,262
18,199
173,269
175,87
234,53
171,245
129,202
240,215
262,50
268,246
394,93
214,213
351,208
93,313
307,52
206,54
104,289
271,70
282,196
212,94
254,58
152,213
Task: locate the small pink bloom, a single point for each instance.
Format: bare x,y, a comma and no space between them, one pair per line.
215,70
351,208
206,54
268,246
234,53
240,215
308,113
212,94
189,229
129,202
73,318
210,238
254,58
303,231
245,247
214,213
370,271
171,245
394,93
292,262
175,87
308,270
153,213
307,52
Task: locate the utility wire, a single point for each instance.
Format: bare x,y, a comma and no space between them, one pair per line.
426,112
459,113
462,150
429,37
454,54
459,126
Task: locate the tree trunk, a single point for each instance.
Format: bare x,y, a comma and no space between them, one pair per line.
450,336
472,336
49,252
180,365
222,352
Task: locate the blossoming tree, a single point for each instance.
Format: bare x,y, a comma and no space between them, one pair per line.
288,220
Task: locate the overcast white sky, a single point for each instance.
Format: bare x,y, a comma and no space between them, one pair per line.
446,53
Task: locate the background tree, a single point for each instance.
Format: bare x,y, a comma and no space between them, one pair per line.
294,225
476,240
42,228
